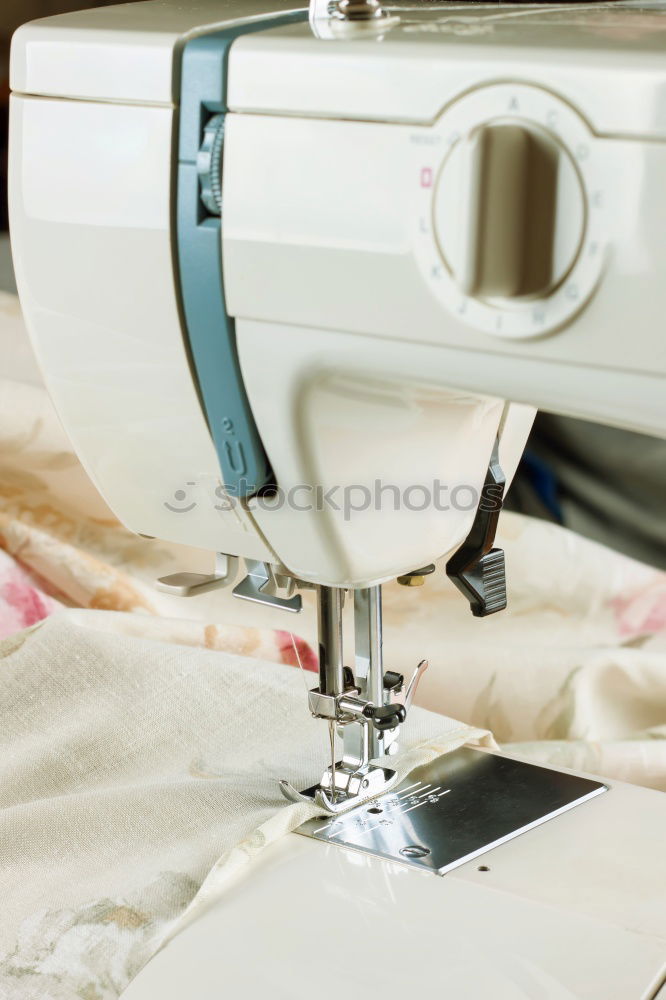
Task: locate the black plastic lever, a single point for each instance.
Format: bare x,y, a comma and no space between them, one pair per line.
387,717
477,569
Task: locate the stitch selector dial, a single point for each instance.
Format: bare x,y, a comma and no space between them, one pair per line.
509,212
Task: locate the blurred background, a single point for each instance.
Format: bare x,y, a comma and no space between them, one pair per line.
607,484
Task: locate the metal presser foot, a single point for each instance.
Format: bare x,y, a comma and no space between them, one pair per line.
445,812
365,708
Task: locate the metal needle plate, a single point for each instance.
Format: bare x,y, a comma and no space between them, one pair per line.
454,809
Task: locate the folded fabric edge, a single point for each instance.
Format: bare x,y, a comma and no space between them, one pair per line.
235,863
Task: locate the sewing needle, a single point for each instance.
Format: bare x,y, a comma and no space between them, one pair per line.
331,736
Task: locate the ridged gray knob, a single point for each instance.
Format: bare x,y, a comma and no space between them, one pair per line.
209,164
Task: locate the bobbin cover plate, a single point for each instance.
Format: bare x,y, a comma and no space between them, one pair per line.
454,809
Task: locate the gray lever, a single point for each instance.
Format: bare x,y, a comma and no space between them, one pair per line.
191,584
262,585
414,683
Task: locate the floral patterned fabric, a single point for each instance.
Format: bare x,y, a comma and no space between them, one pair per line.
22,601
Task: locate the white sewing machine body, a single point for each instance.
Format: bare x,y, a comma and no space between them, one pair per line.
392,320
355,316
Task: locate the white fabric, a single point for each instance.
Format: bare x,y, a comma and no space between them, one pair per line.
131,772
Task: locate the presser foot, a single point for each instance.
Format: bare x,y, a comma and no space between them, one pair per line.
351,789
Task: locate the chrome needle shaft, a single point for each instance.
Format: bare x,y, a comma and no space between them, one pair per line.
331,736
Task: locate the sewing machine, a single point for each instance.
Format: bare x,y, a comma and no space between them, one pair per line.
289,272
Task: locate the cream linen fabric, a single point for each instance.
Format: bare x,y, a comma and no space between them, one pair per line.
136,779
